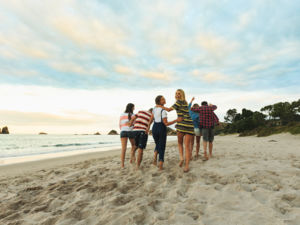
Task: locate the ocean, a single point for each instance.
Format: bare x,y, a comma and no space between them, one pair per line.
20,148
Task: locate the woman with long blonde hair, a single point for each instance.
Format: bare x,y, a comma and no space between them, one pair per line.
184,127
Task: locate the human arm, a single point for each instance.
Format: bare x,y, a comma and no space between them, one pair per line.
213,107
165,121
150,122
192,100
165,108
133,118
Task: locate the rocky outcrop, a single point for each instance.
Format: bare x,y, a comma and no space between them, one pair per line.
97,133
5,130
171,132
42,133
113,132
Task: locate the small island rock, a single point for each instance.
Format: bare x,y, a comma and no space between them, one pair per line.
5,130
97,133
113,132
42,133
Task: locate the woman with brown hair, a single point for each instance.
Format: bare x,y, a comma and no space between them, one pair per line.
126,133
184,127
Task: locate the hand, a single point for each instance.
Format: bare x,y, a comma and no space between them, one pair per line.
147,131
193,99
179,119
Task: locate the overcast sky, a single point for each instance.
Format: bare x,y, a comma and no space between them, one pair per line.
72,66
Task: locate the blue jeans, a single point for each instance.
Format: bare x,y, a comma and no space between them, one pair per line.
159,133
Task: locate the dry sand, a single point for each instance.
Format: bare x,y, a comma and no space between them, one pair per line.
250,180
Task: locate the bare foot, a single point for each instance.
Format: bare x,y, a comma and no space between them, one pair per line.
161,165
186,170
181,163
205,158
154,162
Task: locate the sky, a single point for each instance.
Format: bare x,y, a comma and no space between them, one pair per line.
71,66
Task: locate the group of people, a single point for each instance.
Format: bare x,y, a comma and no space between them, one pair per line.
192,120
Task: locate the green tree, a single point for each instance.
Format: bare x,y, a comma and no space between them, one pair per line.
230,115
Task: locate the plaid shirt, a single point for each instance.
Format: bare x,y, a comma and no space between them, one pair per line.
207,117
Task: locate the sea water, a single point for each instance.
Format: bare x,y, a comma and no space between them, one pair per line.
28,147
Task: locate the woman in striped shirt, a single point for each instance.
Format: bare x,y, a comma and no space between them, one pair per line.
126,132
184,127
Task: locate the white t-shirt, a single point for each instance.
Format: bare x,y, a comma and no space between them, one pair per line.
158,114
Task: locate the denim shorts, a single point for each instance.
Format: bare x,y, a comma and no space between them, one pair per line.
198,131
141,139
127,134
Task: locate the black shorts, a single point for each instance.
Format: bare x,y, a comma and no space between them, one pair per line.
127,134
208,134
141,139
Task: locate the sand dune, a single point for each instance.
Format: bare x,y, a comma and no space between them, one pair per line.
250,180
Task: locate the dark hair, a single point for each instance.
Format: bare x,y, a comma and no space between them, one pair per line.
157,99
195,105
150,110
129,110
204,103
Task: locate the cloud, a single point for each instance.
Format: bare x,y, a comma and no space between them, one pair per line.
217,47
71,67
157,75
245,19
123,69
93,33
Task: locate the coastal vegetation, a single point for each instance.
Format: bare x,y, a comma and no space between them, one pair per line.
271,119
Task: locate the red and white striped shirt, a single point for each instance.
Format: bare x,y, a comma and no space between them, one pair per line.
142,120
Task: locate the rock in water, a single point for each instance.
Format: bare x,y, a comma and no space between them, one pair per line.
5,130
42,133
113,132
97,133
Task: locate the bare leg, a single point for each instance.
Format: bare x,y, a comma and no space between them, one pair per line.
124,146
197,146
187,145
205,150
155,158
161,165
133,149
139,158
210,149
192,147
180,137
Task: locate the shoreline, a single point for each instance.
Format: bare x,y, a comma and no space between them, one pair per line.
39,162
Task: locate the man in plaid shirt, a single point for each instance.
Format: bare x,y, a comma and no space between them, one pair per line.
208,120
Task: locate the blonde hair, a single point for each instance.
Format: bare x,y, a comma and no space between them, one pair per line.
182,95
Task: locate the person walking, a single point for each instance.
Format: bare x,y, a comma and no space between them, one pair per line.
159,130
142,122
197,130
207,122
184,127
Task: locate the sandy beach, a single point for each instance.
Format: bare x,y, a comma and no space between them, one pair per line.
249,180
